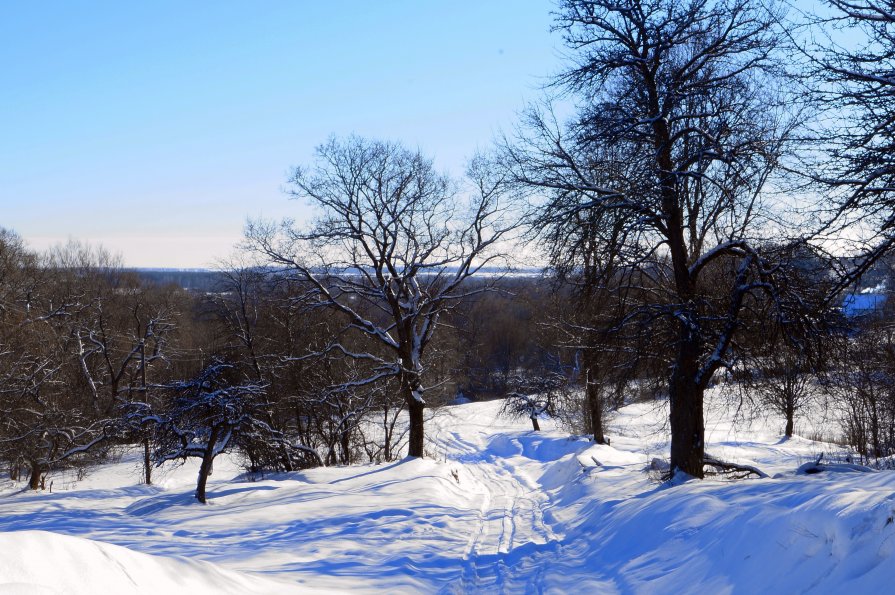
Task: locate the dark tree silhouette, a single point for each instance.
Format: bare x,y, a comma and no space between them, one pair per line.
210,415
677,134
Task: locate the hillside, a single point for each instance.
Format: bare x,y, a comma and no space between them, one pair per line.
497,508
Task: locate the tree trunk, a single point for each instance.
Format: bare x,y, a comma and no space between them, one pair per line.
790,414
34,480
286,460
535,424
413,396
345,445
254,466
687,424
415,410
594,406
203,476
387,446
147,461
684,392
874,428
205,467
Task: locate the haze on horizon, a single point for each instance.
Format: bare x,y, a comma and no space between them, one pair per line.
156,130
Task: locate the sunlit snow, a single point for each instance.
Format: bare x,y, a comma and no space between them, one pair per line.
496,507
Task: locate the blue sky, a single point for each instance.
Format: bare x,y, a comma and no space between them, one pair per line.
157,128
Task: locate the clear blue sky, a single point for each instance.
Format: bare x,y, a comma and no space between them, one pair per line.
156,128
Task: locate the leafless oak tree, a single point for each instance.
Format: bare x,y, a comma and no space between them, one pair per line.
678,131
389,253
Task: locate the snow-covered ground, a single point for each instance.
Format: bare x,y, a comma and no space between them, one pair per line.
497,508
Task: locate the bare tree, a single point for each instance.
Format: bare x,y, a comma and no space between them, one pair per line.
863,383
783,381
588,271
210,415
677,134
536,395
260,331
120,333
783,367
857,82
390,252
46,420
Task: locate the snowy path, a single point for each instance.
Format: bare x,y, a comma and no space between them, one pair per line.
512,523
511,510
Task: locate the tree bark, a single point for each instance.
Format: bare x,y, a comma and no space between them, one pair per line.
34,480
147,461
205,467
687,423
413,396
594,406
415,412
535,424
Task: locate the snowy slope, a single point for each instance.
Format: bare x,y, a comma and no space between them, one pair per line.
42,562
496,508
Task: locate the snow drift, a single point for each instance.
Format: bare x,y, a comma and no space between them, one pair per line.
37,562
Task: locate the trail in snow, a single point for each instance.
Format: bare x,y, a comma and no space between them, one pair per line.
511,514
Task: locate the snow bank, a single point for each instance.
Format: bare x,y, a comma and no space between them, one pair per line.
38,562
785,535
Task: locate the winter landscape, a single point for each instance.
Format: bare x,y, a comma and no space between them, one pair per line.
496,508
581,296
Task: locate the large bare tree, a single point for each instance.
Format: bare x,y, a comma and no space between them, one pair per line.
389,253
679,128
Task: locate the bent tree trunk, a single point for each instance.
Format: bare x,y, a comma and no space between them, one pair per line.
687,424
205,467
534,422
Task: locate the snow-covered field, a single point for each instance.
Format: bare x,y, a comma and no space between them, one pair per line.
497,508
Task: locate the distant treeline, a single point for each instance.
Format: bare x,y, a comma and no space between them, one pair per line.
189,279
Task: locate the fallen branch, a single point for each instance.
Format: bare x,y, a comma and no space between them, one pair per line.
731,470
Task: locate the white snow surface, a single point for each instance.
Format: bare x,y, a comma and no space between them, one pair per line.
496,508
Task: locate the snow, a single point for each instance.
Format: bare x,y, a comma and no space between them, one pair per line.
496,507
43,562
